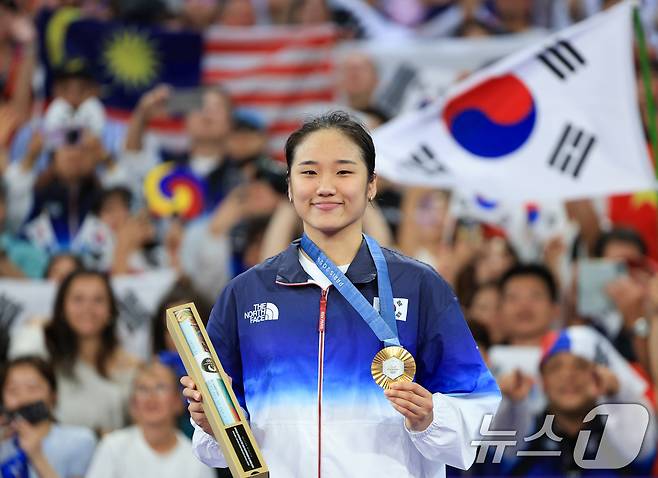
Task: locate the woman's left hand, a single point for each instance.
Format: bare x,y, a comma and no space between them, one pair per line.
413,402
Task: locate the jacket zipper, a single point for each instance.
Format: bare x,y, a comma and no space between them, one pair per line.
321,326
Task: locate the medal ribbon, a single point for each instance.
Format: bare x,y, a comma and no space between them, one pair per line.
382,323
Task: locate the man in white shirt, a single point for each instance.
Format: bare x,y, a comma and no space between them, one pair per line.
153,447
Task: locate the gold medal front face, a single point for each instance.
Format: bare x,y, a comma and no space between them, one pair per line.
393,364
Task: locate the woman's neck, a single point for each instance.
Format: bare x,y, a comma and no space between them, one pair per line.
341,247
88,349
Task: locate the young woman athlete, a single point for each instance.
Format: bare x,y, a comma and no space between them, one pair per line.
300,352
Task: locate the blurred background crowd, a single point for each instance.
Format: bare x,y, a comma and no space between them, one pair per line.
140,151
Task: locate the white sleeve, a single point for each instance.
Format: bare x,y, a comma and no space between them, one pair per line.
102,465
200,248
138,163
131,170
206,448
20,184
457,420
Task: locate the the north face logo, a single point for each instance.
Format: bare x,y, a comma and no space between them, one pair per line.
262,312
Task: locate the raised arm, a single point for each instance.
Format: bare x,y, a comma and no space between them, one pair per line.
151,104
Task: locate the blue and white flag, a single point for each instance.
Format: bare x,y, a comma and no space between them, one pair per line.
557,120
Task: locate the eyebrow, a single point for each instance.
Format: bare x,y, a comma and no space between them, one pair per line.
312,162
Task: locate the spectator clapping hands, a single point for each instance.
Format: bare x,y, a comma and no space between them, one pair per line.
515,385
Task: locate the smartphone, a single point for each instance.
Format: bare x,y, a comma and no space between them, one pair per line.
508,358
184,100
593,276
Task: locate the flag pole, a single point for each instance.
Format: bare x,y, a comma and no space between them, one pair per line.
645,69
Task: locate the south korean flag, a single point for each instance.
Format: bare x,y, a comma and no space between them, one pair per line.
558,120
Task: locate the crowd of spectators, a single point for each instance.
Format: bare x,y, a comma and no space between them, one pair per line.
75,402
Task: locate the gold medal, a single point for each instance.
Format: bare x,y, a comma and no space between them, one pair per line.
393,364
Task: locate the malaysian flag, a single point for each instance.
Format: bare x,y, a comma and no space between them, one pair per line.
285,73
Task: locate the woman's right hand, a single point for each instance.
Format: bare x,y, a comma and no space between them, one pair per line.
195,406
30,437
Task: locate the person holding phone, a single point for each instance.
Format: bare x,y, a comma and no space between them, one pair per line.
32,443
299,342
207,127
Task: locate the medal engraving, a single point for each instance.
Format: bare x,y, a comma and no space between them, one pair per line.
393,367
392,364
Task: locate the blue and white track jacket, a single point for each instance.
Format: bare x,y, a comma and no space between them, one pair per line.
312,403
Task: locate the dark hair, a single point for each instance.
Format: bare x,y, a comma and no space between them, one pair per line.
122,192
44,369
468,294
74,69
180,293
621,234
343,122
9,5
539,271
62,341
377,112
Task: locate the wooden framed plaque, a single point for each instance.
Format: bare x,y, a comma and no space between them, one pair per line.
220,405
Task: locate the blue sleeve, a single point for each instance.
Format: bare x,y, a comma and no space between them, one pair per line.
223,332
448,360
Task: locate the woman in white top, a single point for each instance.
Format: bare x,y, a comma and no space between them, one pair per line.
94,373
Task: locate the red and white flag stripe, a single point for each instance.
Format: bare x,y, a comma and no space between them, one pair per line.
285,73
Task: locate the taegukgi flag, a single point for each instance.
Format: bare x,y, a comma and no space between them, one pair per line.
556,120
540,219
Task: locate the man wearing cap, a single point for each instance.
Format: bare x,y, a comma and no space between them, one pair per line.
580,370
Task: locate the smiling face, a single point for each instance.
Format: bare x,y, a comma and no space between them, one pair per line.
24,385
569,383
155,397
329,184
87,306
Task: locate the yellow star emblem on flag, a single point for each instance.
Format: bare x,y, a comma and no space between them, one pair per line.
131,59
